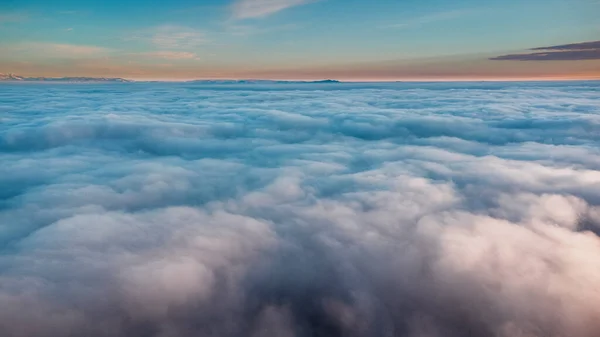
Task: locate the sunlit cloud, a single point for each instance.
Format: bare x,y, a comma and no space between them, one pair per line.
246,9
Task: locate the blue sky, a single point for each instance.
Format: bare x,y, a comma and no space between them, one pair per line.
281,38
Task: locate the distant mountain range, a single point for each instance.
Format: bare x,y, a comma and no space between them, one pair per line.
13,77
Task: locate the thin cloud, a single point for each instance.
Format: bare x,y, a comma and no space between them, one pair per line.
573,46
170,37
177,37
56,50
575,55
248,9
567,52
170,55
248,30
435,17
12,17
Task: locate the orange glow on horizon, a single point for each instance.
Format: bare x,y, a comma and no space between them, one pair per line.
382,80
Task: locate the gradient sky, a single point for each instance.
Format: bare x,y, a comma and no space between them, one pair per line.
299,39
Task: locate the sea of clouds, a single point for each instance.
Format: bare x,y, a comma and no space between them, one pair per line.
417,210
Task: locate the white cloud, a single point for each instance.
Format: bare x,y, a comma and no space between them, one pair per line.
236,210
245,9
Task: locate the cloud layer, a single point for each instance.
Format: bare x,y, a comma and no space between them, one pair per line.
300,210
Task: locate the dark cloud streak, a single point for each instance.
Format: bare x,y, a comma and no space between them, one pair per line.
574,55
568,52
593,45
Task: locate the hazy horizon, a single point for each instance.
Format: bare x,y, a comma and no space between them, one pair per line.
319,79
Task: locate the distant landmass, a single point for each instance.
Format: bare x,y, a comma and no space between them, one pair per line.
13,77
258,81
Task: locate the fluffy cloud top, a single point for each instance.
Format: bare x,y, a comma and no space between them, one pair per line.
300,210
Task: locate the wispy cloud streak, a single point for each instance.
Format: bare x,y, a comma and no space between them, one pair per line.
9,17
178,37
169,55
430,18
56,50
246,9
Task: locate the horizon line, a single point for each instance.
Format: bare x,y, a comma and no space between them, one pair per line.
333,80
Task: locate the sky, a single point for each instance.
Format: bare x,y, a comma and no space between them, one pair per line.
302,39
